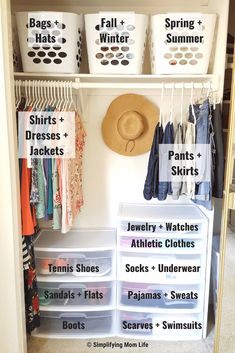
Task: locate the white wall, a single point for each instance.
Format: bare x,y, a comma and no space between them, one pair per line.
12,327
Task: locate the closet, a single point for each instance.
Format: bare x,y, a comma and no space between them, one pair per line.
113,187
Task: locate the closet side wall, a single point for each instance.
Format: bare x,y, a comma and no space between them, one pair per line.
12,325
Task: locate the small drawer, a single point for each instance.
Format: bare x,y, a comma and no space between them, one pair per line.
75,324
161,326
72,293
79,264
162,244
181,227
163,268
160,296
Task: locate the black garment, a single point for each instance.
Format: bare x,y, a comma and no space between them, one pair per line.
31,291
152,178
217,188
165,186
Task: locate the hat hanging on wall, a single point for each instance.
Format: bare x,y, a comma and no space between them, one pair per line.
129,124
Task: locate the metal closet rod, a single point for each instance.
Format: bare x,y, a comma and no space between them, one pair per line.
117,85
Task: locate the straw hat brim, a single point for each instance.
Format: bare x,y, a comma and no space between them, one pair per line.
119,106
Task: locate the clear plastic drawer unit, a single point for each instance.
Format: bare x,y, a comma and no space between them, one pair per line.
83,324
70,294
80,253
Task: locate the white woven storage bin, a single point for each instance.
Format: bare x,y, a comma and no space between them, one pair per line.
182,47
116,47
63,55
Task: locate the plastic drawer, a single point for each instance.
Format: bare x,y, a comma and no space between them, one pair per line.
75,324
78,264
161,326
160,296
163,268
162,244
72,293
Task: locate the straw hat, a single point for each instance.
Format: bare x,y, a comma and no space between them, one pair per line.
129,125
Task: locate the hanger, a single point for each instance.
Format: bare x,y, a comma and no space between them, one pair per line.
50,87
191,102
36,94
172,99
181,105
55,97
19,84
43,99
31,94
16,93
27,93
161,103
64,96
60,93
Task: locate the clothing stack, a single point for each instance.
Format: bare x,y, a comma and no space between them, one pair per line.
204,126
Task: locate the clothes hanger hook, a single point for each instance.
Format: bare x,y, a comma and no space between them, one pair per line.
161,103
172,99
182,102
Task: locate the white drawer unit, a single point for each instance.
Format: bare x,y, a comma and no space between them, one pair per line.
83,324
162,271
80,254
148,325
91,263
76,275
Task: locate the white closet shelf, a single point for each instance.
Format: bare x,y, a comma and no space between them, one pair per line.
115,3
91,81
111,78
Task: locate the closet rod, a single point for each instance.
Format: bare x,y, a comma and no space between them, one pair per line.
120,85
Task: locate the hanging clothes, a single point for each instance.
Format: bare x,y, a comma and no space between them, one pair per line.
152,178
26,257
31,290
218,152
188,187
56,196
177,186
70,171
165,186
203,190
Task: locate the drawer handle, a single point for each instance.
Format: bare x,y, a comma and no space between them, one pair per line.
81,315
71,256
72,286
73,315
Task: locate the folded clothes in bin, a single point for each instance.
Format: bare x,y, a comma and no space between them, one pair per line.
116,42
181,43
102,266
133,323
150,296
50,41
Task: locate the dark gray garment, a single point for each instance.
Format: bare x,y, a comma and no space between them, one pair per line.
218,182
165,186
177,186
152,178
